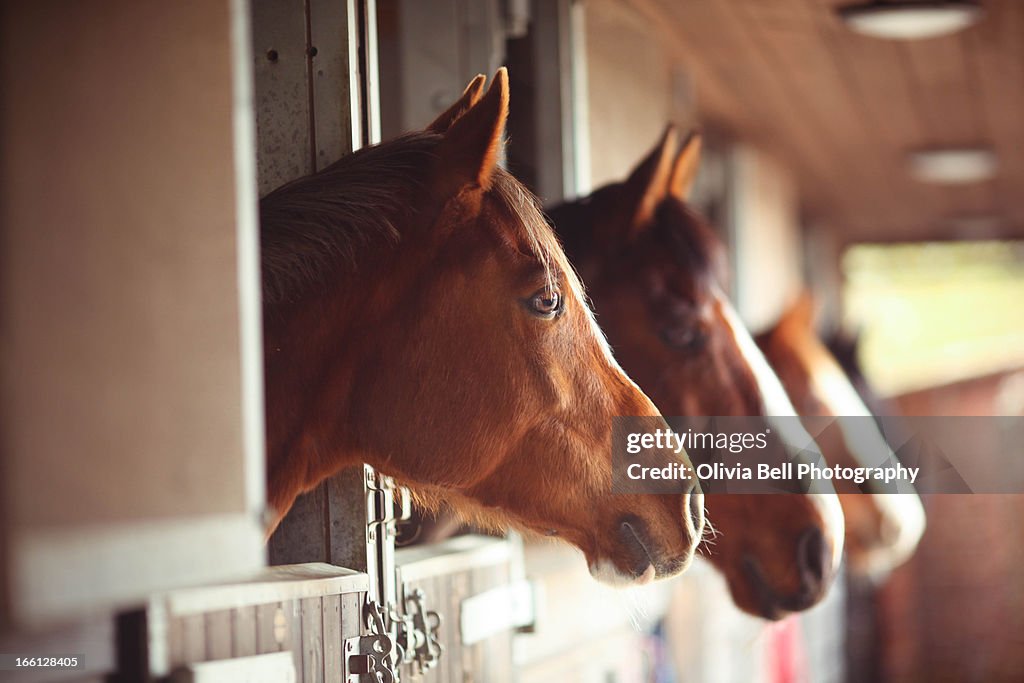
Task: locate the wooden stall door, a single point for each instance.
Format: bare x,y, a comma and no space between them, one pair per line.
464,598
304,614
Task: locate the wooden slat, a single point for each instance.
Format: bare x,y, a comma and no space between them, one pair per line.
218,635
722,38
193,638
332,639
285,582
243,631
175,642
312,616
791,45
842,110
997,65
293,642
267,628
351,614
461,588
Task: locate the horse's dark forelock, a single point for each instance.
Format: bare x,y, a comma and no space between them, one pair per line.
677,228
317,227
524,210
695,247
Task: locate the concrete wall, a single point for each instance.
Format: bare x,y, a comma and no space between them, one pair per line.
635,88
131,394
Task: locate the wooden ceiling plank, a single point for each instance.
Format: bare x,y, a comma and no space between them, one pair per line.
942,90
842,110
726,52
793,41
831,97
870,68
996,48
936,103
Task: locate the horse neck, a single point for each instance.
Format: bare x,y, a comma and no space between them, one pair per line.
308,358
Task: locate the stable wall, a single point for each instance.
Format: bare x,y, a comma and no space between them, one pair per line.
131,427
636,85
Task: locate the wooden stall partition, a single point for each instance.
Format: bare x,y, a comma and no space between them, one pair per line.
469,595
306,612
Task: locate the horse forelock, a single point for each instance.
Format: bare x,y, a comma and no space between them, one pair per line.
694,246
526,217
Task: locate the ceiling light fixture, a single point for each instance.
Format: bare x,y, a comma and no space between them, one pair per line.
953,166
909,20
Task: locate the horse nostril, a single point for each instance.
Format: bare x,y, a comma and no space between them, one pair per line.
813,558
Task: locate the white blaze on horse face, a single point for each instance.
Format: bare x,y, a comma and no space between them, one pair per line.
777,404
903,518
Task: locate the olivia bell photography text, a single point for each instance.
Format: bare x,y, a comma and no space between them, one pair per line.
794,455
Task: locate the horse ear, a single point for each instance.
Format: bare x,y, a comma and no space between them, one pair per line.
470,96
469,152
647,185
684,169
801,313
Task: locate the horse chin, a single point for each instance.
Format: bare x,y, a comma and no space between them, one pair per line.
605,571
767,601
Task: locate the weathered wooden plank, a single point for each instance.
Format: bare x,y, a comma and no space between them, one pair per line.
243,631
175,643
333,643
351,614
218,634
293,642
193,638
286,582
440,589
312,616
271,628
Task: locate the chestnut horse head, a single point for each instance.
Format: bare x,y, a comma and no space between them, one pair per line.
657,274
882,529
420,316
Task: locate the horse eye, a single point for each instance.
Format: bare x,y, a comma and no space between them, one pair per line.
546,304
684,337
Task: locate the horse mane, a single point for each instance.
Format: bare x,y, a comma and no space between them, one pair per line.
317,227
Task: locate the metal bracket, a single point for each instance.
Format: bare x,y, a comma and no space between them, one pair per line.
371,657
418,629
410,636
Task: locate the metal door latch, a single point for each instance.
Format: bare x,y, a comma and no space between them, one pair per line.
418,633
371,658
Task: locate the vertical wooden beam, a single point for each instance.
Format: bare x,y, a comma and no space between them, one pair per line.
334,113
